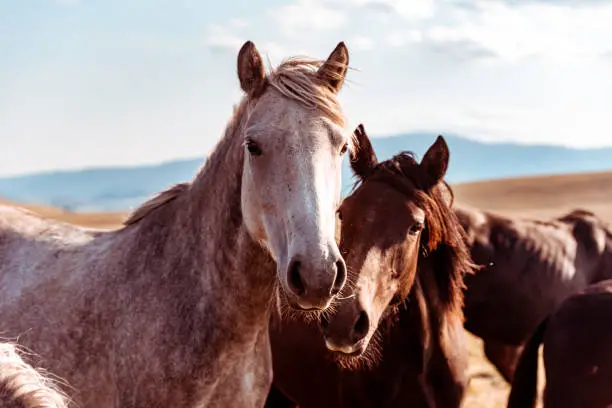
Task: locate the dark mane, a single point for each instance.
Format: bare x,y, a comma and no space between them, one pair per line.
443,239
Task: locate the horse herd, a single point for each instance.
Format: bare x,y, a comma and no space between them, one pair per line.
232,290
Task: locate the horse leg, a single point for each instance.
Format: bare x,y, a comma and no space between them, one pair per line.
504,357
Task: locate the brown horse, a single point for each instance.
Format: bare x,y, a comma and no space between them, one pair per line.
21,386
577,354
535,266
400,240
173,309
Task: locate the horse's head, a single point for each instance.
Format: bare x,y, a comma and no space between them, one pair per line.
384,231
294,140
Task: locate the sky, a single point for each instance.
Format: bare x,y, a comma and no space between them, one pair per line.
124,82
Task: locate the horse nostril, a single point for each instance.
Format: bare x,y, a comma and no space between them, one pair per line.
361,326
340,278
294,278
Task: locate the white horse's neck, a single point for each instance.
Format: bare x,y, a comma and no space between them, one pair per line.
233,262
209,268
207,236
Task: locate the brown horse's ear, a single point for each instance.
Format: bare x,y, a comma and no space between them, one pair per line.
333,71
435,161
251,70
362,156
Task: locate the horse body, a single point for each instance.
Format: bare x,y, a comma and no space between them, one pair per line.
535,266
173,308
135,319
577,357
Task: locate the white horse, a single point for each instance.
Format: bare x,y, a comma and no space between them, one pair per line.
172,310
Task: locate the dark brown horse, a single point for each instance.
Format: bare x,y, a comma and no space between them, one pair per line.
406,259
577,356
535,266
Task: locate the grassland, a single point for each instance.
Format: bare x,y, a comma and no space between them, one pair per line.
541,197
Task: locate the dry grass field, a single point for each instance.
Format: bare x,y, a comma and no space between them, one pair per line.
108,220
541,197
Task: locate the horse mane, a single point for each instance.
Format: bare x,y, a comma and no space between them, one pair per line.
157,201
443,239
21,386
298,78
295,78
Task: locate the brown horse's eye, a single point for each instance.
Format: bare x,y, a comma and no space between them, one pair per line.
344,149
339,215
415,228
253,148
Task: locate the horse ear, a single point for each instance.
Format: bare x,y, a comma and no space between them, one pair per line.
435,161
333,71
362,157
251,70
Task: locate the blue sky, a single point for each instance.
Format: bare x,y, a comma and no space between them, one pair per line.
107,82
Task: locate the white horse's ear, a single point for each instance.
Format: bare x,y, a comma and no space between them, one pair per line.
251,72
333,71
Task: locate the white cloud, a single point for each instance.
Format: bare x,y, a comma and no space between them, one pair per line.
223,39
361,43
238,23
408,9
548,30
308,15
400,38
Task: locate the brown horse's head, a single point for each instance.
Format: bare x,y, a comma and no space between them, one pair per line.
394,217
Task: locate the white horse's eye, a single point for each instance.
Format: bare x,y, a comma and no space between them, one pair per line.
253,147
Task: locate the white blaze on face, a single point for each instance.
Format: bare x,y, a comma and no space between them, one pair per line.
290,192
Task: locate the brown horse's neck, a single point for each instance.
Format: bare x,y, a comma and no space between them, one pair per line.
424,334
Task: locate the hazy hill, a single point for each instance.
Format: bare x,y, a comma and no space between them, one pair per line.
118,188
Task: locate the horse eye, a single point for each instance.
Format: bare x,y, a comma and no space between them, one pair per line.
339,215
253,148
415,228
344,149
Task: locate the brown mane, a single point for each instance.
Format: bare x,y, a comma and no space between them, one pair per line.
443,236
296,79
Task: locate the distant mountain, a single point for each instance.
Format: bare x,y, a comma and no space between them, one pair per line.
122,188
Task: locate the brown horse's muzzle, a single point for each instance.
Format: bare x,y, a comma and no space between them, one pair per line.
347,329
